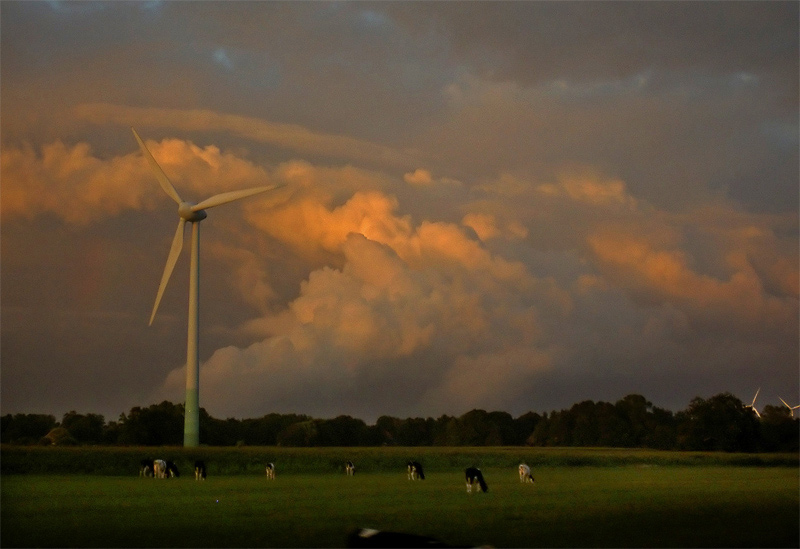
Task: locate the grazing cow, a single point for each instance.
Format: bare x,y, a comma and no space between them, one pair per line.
350,469
172,470
474,476
367,537
159,468
271,471
525,473
146,468
415,471
199,470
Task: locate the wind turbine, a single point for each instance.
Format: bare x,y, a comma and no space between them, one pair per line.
791,408
753,404
194,214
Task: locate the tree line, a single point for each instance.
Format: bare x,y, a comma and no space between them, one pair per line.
720,423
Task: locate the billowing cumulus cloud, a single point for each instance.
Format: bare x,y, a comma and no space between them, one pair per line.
75,185
430,303
427,307
426,303
423,323
70,182
310,226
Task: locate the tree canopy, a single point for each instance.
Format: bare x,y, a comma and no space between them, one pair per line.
720,423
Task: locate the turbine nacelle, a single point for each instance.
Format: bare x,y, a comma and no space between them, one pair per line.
791,408
752,405
188,213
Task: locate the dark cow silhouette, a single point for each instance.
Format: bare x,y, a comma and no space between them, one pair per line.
172,470
146,468
474,476
415,471
199,470
367,537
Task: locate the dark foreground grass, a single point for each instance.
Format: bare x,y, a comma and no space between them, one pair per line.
628,506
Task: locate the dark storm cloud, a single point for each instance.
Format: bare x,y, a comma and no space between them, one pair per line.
544,41
627,69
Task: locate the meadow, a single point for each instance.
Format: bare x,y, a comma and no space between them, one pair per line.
581,498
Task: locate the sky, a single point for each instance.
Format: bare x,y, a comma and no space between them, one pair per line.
508,206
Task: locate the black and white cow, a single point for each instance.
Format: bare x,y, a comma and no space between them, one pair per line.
159,468
350,469
367,537
146,468
271,471
474,476
199,470
415,471
172,470
525,473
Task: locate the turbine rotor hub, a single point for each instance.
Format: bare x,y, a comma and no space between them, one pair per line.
186,212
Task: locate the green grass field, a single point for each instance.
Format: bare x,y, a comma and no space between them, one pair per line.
640,505
250,460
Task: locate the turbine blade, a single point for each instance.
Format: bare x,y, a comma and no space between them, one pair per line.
174,252
224,198
785,403
160,175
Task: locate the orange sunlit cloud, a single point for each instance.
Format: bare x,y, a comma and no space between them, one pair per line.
666,274
423,178
392,298
71,183
590,189
75,185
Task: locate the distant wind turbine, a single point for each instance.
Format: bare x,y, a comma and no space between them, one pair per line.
194,214
791,408
752,406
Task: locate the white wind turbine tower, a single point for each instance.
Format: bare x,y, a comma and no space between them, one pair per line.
194,214
752,406
791,408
